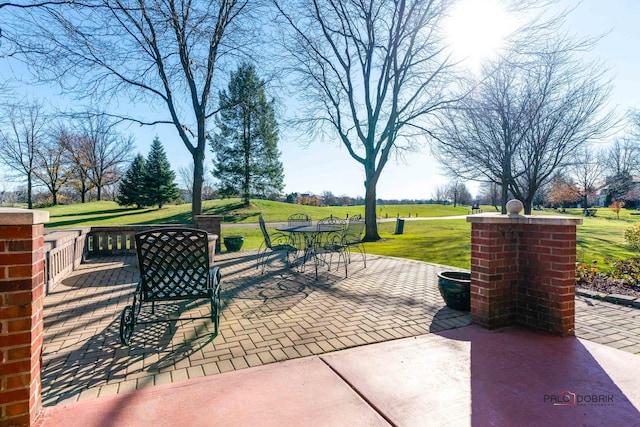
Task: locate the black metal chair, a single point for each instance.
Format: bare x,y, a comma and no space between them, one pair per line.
174,265
299,220
275,242
352,238
330,243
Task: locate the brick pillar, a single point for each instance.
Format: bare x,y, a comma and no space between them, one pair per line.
211,224
523,271
21,314
494,274
546,289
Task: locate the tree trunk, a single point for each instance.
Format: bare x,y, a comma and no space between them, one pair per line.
83,191
371,225
99,195
505,195
247,152
528,204
198,178
29,191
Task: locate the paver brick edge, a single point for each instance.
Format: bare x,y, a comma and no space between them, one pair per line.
625,300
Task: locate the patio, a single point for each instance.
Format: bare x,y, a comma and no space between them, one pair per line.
268,318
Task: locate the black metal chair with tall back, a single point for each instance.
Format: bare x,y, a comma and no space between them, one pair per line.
274,242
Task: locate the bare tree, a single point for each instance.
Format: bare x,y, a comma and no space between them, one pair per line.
78,153
24,131
439,193
457,192
525,119
622,162
106,150
490,192
7,19
185,181
587,172
52,164
328,198
161,53
623,157
371,73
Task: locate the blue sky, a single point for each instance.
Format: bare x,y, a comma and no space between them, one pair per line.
316,167
329,167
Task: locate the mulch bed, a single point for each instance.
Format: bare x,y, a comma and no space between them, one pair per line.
610,286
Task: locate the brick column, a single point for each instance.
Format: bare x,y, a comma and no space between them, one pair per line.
211,224
523,271
546,290
21,314
494,274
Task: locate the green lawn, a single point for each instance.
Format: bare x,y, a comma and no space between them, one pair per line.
438,241
109,213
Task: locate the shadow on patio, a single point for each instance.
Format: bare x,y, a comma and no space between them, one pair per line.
265,318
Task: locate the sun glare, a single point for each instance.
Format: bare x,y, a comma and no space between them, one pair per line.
476,30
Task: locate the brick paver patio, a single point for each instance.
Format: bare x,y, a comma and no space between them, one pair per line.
265,318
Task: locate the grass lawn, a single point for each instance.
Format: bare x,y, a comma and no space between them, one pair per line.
109,213
439,241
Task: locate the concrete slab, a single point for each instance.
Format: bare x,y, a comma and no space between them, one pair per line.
461,377
303,392
472,376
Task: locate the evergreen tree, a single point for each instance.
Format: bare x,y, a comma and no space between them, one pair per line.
159,179
246,147
131,191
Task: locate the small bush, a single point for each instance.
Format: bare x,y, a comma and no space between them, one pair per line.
632,236
626,270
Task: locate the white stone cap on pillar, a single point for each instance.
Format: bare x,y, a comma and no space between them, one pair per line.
16,216
491,218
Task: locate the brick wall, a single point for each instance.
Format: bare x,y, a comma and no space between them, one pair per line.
523,271
21,314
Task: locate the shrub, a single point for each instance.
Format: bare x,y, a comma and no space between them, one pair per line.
632,236
626,270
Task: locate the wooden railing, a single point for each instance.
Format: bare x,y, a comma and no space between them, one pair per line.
66,249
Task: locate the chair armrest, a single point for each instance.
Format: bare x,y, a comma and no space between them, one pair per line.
215,277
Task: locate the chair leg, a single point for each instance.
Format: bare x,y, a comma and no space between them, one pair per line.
127,324
260,256
128,320
215,311
343,254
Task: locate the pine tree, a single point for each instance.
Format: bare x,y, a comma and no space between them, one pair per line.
131,190
159,179
246,147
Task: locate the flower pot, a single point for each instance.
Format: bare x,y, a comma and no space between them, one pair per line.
233,243
455,288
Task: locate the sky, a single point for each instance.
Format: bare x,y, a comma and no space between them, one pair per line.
326,166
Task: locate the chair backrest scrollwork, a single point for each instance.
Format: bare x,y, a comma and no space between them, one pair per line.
299,220
174,263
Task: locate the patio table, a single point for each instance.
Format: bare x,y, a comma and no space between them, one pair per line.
310,237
